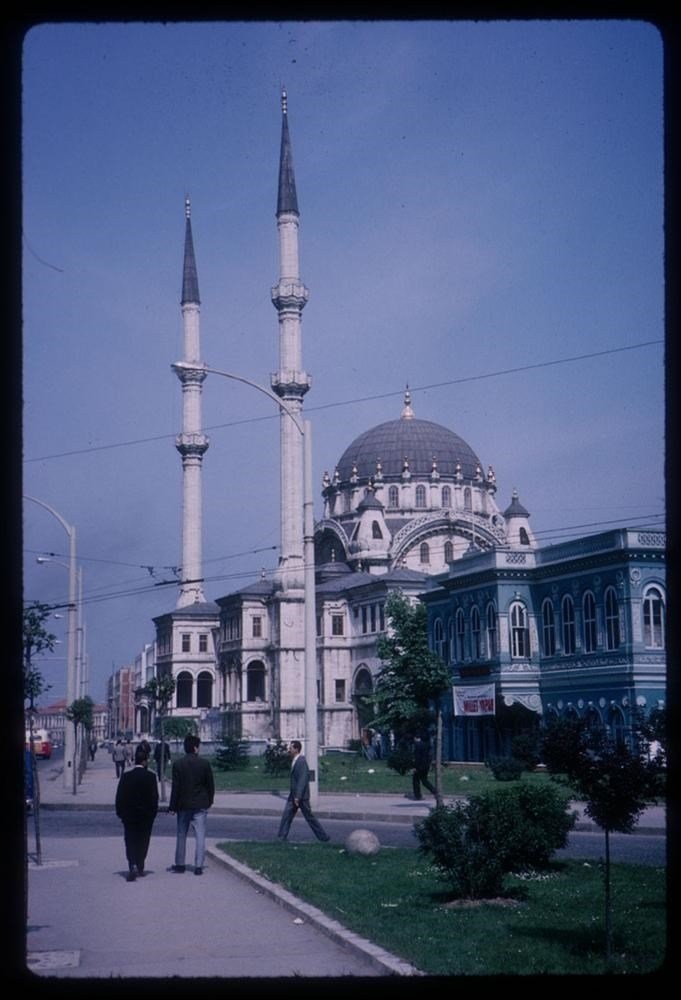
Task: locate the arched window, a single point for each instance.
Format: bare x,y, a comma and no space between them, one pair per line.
439,637
204,690
520,635
393,496
523,536
460,636
548,623
653,618
449,552
420,496
475,633
491,622
616,725
451,629
347,502
467,501
184,690
612,619
255,681
376,530
567,609
424,552
589,630
446,496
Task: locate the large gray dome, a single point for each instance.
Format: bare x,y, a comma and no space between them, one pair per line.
419,441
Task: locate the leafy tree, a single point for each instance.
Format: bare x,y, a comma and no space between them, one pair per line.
36,639
81,713
160,691
411,677
176,728
614,781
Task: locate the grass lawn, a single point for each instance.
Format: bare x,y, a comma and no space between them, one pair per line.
549,923
353,773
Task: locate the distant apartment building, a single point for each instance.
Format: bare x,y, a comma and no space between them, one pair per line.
121,702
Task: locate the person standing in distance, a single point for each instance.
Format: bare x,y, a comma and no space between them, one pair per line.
191,796
299,796
136,806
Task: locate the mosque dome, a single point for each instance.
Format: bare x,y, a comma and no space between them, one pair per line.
418,442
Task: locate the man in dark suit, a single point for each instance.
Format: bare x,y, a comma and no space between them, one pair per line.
299,796
136,806
422,762
191,796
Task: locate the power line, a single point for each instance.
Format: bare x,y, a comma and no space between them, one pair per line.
362,399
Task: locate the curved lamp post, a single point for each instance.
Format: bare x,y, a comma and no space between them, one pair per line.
71,680
305,430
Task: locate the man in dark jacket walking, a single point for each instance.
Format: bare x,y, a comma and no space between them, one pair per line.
299,796
136,806
421,767
191,796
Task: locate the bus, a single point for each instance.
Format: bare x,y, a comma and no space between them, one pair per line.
42,745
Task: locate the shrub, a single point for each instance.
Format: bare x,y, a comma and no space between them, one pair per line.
231,755
452,838
474,844
277,759
401,759
525,748
505,768
527,822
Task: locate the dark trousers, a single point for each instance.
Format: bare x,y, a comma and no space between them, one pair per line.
120,767
136,837
290,809
421,778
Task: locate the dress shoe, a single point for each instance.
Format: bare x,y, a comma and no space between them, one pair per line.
177,868
131,876
198,871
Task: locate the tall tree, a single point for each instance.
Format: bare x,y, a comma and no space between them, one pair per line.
36,639
160,691
412,677
81,713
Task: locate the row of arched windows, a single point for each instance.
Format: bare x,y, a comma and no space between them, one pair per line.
475,639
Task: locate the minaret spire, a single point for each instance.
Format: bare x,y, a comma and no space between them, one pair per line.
191,443
290,382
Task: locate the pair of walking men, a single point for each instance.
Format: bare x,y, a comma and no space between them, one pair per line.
191,796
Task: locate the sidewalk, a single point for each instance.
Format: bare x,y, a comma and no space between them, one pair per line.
85,921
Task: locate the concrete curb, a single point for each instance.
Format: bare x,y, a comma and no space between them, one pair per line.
382,960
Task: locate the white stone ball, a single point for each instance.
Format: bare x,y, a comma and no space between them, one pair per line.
362,842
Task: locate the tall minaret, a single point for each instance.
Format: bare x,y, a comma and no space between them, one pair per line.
191,443
290,382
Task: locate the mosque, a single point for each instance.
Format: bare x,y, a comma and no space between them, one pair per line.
408,506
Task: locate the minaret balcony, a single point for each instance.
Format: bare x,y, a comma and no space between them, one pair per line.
191,444
290,382
290,295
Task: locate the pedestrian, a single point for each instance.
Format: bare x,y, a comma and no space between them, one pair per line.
129,754
136,807
421,766
299,796
157,757
191,796
377,743
118,754
93,749
146,746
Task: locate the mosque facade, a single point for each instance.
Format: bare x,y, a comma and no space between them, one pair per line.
409,506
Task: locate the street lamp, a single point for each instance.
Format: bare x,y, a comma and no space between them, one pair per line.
71,679
305,430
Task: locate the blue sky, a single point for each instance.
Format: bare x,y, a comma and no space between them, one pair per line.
476,198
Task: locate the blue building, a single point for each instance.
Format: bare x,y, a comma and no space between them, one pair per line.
570,630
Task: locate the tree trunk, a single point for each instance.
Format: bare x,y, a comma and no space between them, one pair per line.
438,760
608,901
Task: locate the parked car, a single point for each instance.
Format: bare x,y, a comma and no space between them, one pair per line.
42,745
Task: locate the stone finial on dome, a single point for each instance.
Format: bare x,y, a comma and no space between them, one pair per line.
379,469
336,478
478,473
407,412
434,474
326,480
406,474
457,471
491,478
353,477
